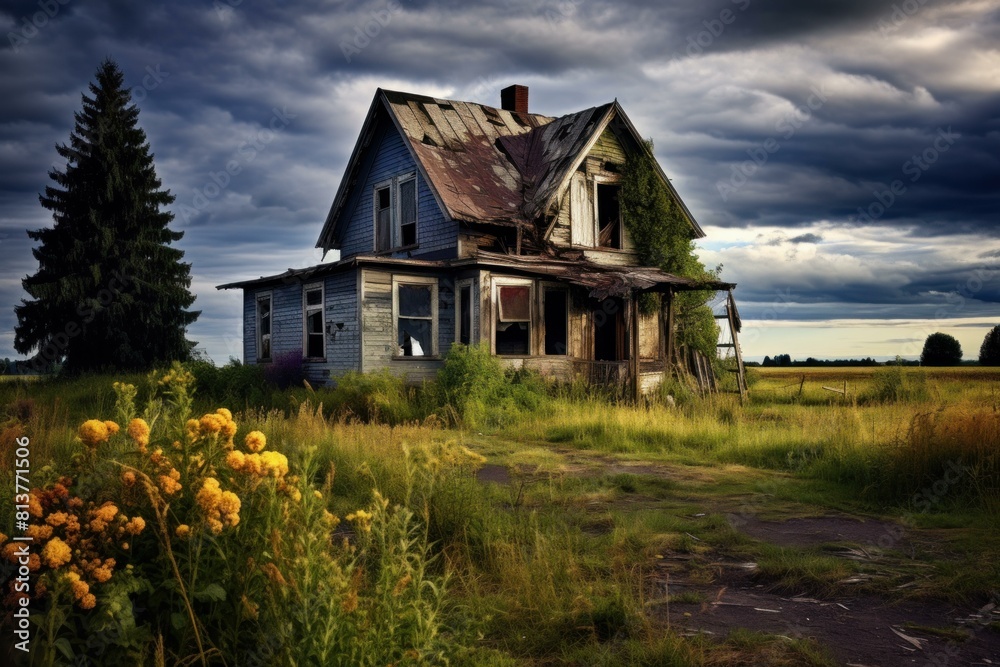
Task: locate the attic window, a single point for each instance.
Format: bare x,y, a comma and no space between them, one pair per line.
609,216
395,212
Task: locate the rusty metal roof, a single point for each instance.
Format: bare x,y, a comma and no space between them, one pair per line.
484,164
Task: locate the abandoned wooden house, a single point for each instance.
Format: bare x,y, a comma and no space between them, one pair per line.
458,222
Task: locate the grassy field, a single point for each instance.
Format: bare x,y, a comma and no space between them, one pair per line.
557,530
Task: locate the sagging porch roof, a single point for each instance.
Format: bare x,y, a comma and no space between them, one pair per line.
600,281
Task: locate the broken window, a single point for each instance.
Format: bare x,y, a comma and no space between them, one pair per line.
314,330
383,219
407,213
263,327
513,331
415,319
609,216
395,208
556,322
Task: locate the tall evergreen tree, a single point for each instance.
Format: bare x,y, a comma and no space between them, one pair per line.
110,292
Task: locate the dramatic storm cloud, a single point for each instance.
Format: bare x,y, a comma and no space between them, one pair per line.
843,155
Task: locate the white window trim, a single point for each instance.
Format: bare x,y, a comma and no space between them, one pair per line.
395,212
495,294
260,296
415,280
305,319
459,286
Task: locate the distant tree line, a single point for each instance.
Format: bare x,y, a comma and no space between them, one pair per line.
784,360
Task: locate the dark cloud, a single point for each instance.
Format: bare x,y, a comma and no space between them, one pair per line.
840,107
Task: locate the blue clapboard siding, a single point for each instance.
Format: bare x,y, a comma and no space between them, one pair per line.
380,344
437,236
343,345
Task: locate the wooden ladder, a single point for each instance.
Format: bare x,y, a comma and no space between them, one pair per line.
735,324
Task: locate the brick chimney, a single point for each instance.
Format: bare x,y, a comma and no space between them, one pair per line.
514,98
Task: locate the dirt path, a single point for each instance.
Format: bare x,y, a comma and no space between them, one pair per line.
859,630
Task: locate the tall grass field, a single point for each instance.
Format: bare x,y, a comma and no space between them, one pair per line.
204,516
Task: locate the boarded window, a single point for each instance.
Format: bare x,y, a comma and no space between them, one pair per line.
415,319
513,331
581,212
556,322
314,326
383,219
408,212
264,327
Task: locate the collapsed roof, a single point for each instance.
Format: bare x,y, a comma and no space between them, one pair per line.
487,165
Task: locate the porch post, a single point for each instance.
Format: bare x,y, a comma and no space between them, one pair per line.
633,357
667,316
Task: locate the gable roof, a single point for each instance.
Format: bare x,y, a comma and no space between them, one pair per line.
486,165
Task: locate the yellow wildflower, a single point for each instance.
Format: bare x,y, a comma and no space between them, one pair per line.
361,519
101,574
34,506
135,526
255,441
56,553
128,478
93,432
235,459
88,601
182,531
226,414
211,423
138,430
106,512
56,518
113,427
169,483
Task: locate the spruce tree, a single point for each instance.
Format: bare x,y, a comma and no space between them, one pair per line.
110,292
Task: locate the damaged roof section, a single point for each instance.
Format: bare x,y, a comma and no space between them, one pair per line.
486,165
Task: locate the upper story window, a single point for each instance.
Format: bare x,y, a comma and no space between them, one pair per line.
264,327
395,213
609,215
312,313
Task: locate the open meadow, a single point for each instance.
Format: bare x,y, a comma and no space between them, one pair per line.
203,517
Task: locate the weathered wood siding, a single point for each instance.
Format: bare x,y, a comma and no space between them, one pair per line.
577,203
379,345
436,236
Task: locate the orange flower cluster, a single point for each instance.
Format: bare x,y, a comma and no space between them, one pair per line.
266,464
74,536
217,424
221,508
138,430
93,432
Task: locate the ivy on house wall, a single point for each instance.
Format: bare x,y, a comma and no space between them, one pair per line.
663,238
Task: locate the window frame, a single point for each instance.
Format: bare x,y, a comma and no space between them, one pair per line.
465,283
393,184
258,297
605,180
432,282
532,314
306,311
